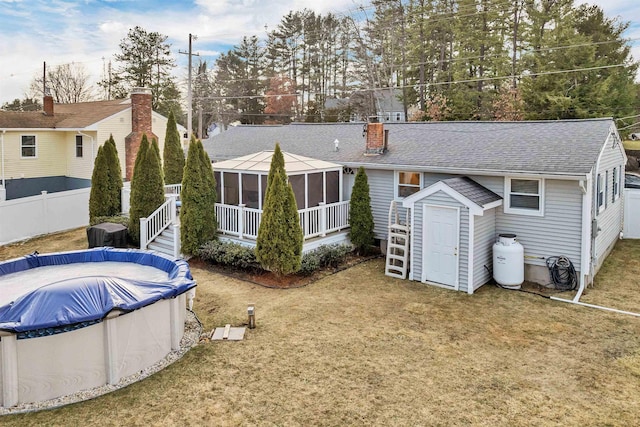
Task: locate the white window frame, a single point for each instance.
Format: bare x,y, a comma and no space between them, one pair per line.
523,211
600,192
35,147
396,183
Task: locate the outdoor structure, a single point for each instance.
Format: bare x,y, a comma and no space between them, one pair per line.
241,189
73,321
556,185
53,150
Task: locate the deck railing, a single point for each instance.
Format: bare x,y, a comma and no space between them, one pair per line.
154,224
243,222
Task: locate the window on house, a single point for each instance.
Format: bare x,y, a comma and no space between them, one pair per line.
398,116
606,188
600,191
28,147
408,183
524,196
78,145
616,185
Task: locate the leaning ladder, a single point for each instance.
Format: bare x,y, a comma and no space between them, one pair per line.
398,244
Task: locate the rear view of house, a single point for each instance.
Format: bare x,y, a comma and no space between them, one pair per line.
454,187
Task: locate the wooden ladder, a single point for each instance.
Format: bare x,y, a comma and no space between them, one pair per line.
398,244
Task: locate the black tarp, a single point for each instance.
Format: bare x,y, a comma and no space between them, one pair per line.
107,234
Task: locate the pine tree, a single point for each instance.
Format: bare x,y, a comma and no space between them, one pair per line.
115,176
173,153
360,215
197,216
147,190
98,198
279,243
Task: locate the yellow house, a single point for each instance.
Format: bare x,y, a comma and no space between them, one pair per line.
54,149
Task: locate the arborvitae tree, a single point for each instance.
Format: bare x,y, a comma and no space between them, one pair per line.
360,215
197,214
277,163
147,190
208,207
156,148
173,153
279,244
115,176
98,198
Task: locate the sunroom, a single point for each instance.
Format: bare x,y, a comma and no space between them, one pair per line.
241,185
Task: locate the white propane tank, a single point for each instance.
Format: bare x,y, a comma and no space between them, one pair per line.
508,262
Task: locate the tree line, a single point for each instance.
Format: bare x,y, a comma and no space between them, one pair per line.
449,60
442,59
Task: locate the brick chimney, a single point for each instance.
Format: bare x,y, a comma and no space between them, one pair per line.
141,122
376,138
47,104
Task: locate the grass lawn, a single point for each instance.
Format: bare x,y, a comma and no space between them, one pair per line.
359,348
631,144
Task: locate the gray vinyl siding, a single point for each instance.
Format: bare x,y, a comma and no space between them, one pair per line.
382,192
610,219
441,199
558,232
484,238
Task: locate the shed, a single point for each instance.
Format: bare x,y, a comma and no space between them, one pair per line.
454,228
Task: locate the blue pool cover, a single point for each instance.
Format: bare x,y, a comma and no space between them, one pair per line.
88,299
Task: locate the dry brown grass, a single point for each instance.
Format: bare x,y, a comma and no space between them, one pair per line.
359,348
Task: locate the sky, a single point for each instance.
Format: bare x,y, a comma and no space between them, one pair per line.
89,31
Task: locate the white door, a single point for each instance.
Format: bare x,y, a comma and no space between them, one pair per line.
440,246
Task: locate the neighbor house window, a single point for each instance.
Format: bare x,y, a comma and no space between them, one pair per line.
600,191
408,183
78,145
616,184
524,196
28,146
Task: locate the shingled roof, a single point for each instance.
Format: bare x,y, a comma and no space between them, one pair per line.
65,116
560,147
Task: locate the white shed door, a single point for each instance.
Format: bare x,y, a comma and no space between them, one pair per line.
440,246
631,210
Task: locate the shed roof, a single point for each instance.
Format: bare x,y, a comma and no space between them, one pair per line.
558,147
261,162
473,191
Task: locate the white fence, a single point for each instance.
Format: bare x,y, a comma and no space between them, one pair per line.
631,210
47,213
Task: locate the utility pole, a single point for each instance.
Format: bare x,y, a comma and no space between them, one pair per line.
189,94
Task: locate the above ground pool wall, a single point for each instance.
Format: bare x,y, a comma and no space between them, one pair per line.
43,368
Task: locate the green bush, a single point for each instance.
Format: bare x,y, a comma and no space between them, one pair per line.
360,214
325,256
229,254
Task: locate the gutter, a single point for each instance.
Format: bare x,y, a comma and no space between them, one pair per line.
483,172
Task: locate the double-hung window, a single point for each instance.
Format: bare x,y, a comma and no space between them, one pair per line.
524,196
28,146
600,192
407,183
78,145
